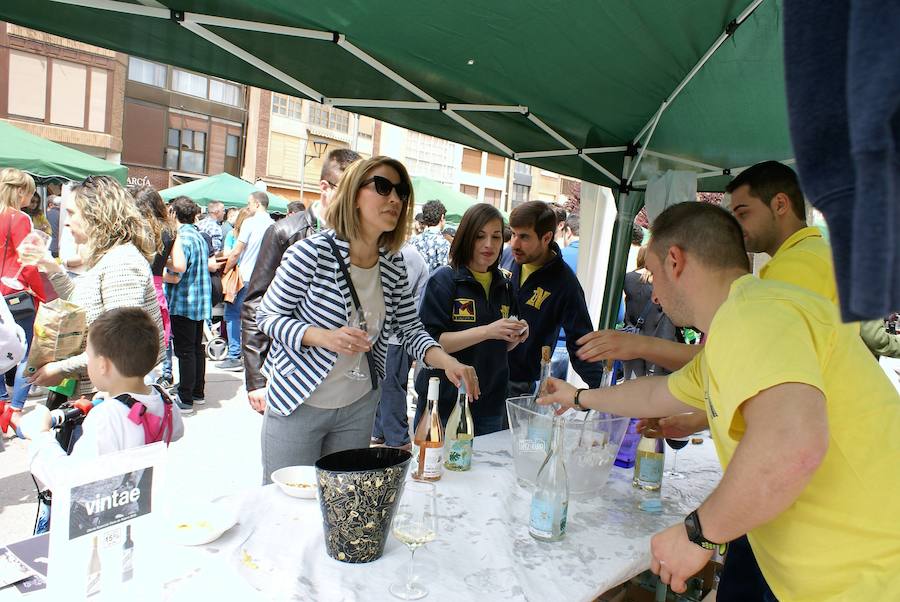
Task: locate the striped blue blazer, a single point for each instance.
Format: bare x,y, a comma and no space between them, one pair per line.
310,290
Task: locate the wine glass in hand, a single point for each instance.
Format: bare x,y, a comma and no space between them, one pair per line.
30,251
370,322
415,524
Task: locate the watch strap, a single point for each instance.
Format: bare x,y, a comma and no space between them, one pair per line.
697,535
577,402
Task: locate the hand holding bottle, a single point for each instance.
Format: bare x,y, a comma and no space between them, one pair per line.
559,392
504,329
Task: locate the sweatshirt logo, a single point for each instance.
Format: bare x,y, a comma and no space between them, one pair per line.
538,298
463,310
504,311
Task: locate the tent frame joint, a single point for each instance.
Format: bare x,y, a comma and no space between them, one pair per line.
336,37
442,107
176,15
631,150
726,171
732,27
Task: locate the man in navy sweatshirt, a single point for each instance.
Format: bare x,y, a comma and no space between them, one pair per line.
549,298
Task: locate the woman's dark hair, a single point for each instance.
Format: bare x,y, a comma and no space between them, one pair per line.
185,209
474,219
153,208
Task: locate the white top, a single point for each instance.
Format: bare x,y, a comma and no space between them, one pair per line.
337,390
106,429
251,235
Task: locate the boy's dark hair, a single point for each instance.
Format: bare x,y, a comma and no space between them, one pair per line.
432,212
473,220
537,215
561,214
573,223
705,231
129,338
185,209
767,179
336,163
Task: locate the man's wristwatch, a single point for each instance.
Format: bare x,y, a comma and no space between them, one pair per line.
695,534
577,402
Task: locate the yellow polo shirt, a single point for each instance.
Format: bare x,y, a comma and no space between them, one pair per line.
484,279
804,259
840,540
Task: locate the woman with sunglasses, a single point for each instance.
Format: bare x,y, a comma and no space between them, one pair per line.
313,405
467,307
105,218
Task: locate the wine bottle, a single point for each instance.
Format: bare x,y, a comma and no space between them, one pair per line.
648,468
539,425
93,582
550,501
127,556
628,449
429,437
460,433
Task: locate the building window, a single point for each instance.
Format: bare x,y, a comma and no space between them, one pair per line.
146,72
225,93
284,156
232,152
430,157
492,196
520,194
27,85
67,98
186,150
523,168
496,166
190,83
329,117
472,191
286,106
471,160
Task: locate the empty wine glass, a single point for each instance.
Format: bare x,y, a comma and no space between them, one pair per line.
415,524
30,251
371,323
676,444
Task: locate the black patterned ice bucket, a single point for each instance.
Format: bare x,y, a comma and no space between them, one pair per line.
358,491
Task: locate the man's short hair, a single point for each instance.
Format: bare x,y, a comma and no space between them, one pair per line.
336,163
185,209
419,218
561,214
767,179
706,232
637,235
537,215
262,198
573,223
214,205
129,338
295,207
507,233
432,212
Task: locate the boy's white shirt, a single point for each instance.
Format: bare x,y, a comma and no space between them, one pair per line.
105,429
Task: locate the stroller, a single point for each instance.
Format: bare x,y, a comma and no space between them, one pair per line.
215,340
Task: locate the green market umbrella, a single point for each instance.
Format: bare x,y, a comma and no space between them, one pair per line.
455,202
46,159
232,191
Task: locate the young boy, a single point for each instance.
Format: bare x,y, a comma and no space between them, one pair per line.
122,348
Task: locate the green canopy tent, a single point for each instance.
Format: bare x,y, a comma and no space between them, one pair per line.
232,191
586,89
45,159
455,202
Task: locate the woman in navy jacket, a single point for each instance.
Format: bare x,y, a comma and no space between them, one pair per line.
466,308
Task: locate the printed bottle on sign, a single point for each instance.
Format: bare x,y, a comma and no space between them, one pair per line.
128,556
550,501
648,468
460,433
93,583
429,438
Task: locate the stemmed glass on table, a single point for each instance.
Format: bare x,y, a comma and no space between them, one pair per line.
370,322
30,251
415,524
676,444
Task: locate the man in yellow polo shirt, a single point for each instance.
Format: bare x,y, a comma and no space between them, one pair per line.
806,425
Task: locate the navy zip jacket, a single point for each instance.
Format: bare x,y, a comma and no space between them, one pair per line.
551,298
454,301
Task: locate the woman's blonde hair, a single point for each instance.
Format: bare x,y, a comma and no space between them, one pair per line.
343,213
646,276
13,184
111,218
243,214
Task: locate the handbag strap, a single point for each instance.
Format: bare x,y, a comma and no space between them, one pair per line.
8,239
643,317
340,261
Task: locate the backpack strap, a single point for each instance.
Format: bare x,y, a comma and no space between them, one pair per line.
155,428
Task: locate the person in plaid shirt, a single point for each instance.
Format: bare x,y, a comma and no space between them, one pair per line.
190,303
431,243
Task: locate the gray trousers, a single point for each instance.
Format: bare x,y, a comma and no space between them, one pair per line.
310,433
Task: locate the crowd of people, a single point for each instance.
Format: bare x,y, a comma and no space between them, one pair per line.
328,310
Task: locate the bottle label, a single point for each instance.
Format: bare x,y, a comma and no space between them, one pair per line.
544,517
431,467
460,454
650,468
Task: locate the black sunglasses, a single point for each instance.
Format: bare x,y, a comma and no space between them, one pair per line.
383,186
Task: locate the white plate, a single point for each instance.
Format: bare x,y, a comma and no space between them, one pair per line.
196,527
297,481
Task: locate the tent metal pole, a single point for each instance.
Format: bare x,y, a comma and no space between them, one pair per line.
604,149
729,31
612,291
488,108
282,30
249,58
640,156
682,160
599,168
381,104
479,132
550,131
121,7
382,68
544,154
